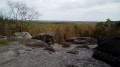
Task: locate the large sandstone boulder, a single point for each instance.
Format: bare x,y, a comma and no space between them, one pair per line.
33,43
29,42
108,50
46,37
82,40
24,35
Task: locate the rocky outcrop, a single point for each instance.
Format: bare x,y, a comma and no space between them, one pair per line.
46,37
82,40
19,55
108,50
3,37
24,35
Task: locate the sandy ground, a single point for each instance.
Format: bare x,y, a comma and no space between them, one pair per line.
18,55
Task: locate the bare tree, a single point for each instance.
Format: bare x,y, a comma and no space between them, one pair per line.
21,13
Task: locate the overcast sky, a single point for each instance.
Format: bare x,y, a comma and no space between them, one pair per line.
73,10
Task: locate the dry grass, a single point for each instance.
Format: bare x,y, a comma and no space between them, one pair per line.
63,30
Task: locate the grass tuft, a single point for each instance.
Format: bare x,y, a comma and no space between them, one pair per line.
3,42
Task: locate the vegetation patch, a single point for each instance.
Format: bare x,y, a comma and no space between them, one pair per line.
3,42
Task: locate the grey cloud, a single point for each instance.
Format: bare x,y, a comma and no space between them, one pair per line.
86,3
74,9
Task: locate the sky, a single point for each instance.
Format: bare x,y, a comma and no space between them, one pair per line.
72,10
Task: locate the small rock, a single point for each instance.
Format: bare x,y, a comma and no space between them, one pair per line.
21,51
66,44
92,46
57,46
9,53
3,37
24,35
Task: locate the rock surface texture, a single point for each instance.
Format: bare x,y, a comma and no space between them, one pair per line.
19,55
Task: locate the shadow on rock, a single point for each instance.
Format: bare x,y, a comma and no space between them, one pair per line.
108,50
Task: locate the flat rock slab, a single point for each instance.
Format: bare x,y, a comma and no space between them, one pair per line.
18,55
